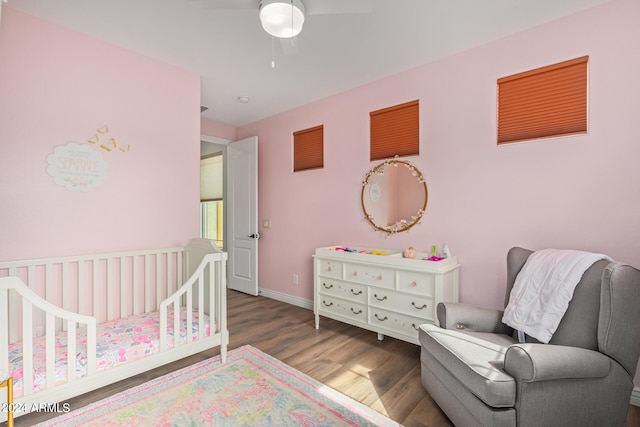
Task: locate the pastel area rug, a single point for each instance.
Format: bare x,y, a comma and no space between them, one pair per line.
250,389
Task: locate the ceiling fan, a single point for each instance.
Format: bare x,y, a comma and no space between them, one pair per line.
284,18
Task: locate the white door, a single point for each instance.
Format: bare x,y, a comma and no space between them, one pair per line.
242,215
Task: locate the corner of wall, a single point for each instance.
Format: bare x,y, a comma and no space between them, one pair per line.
211,128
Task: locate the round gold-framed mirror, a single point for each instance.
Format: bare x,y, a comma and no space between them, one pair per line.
394,196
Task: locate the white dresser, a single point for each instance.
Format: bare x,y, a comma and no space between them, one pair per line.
389,294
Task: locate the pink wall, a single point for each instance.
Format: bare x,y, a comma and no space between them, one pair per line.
576,192
211,128
58,86
581,192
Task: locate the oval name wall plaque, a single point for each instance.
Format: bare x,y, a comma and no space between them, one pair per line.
77,167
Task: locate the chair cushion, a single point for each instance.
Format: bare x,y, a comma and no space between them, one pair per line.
474,358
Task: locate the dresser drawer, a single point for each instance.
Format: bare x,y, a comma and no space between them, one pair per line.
348,291
370,275
418,283
395,322
343,308
330,268
414,305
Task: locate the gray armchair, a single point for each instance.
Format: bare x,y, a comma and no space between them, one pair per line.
478,373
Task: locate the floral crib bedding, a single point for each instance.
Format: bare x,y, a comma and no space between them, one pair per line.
117,342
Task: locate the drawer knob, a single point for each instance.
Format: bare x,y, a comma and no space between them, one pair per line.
414,283
373,276
423,306
355,273
378,298
380,319
356,293
356,312
325,303
327,286
415,326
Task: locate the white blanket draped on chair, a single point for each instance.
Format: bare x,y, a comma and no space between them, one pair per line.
543,289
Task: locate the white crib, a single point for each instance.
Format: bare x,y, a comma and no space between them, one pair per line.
61,317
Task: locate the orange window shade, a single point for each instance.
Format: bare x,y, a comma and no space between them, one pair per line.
545,102
395,131
308,149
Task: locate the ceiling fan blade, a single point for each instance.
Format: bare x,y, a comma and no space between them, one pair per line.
225,4
325,7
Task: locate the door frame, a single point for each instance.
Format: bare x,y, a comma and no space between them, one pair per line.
223,144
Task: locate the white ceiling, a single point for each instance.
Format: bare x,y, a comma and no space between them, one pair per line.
232,53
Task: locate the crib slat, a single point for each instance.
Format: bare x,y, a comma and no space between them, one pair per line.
213,297
71,351
201,305
136,286
31,271
14,314
123,292
176,324
38,316
91,348
169,273
189,321
158,280
221,307
109,279
66,291
48,281
214,313
4,330
27,346
82,295
64,303
179,273
163,331
95,287
147,284
50,350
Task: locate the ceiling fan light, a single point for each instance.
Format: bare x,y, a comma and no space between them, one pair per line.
282,19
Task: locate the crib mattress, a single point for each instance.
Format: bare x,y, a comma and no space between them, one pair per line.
117,342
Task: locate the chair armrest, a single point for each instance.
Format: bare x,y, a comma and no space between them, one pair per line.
452,315
542,362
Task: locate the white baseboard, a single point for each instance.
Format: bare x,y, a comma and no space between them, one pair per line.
289,299
635,396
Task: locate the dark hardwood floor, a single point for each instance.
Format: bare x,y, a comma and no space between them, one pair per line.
384,375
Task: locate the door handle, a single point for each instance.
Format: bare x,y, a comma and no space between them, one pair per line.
254,236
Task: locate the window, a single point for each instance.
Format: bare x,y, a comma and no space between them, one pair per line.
395,131
211,221
308,149
542,103
211,198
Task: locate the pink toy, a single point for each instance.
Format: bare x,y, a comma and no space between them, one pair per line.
410,252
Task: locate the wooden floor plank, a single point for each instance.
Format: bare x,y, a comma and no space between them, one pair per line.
384,375
404,395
